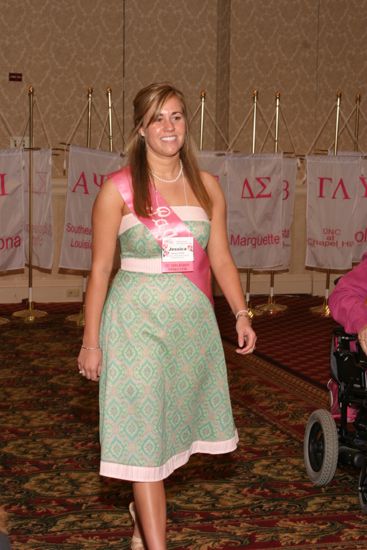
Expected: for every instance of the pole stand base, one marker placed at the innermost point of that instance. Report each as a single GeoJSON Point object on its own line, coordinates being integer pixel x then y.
{"type": "Point", "coordinates": [322, 310]}
{"type": "Point", "coordinates": [30, 315]}
{"type": "Point", "coordinates": [271, 308]}
{"type": "Point", "coordinates": [77, 318]}
{"type": "Point", "coordinates": [253, 312]}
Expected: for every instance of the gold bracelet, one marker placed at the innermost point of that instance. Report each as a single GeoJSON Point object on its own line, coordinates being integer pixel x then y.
{"type": "Point", "coordinates": [89, 349]}
{"type": "Point", "coordinates": [242, 313]}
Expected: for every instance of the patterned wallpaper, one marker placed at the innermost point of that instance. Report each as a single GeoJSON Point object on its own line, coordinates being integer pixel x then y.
{"type": "Point", "coordinates": [173, 40]}
{"type": "Point", "coordinates": [306, 50]}
{"type": "Point", "coordinates": [62, 48]}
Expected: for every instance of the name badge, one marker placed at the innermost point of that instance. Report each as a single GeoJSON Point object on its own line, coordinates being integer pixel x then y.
{"type": "Point", "coordinates": [177, 254]}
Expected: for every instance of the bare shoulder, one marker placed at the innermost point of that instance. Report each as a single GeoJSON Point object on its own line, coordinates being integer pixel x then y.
{"type": "Point", "coordinates": [109, 195]}
{"type": "Point", "coordinates": [109, 204]}
{"type": "Point", "coordinates": [109, 188]}
{"type": "Point", "coordinates": [212, 186]}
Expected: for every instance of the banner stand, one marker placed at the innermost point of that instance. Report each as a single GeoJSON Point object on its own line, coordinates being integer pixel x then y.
{"type": "Point", "coordinates": [108, 124]}
{"type": "Point", "coordinates": [30, 315]}
{"type": "Point", "coordinates": [202, 108]}
{"type": "Point", "coordinates": [251, 311]}
{"type": "Point", "coordinates": [79, 318]}
{"type": "Point", "coordinates": [324, 310]}
{"type": "Point", "coordinates": [271, 308]}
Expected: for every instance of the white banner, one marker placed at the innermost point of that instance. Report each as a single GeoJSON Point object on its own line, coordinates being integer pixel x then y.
{"type": "Point", "coordinates": [334, 190]}
{"type": "Point", "coordinates": [289, 177]}
{"type": "Point", "coordinates": [216, 164]}
{"type": "Point", "coordinates": [254, 198]}
{"type": "Point", "coordinates": [11, 211]}
{"type": "Point", "coordinates": [88, 169]}
{"type": "Point", "coordinates": [360, 214]}
{"type": "Point", "coordinates": [42, 234]}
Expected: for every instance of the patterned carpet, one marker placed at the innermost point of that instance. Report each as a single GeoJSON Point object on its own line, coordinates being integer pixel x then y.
{"type": "Point", "coordinates": [258, 497]}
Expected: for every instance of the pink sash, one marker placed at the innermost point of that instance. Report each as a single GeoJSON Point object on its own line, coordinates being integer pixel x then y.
{"type": "Point", "coordinates": [164, 222]}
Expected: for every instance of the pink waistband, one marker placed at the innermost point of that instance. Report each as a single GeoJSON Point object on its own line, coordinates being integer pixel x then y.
{"type": "Point", "coordinates": [142, 265]}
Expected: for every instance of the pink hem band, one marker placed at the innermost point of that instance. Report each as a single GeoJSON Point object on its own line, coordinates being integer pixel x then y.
{"type": "Point", "coordinates": [157, 473]}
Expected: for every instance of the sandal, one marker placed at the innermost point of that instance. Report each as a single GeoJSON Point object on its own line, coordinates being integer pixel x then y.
{"type": "Point", "coordinates": [136, 542]}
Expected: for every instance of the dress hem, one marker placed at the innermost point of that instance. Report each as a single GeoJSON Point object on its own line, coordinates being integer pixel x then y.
{"type": "Point", "coordinates": [157, 473]}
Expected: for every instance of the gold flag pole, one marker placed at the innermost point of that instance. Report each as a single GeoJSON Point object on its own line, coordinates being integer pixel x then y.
{"type": "Point", "coordinates": [337, 122]}
{"type": "Point", "coordinates": [109, 101]}
{"type": "Point", "coordinates": [324, 310]}
{"type": "Point", "coordinates": [356, 124]}
{"type": "Point", "coordinates": [277, 107]}
{"type": "Point", "coordinates": [255, 96]}
{"type": "Point", "coordinates": [123, 72]}
{"type": "Point", "coordinates": [79, 318]}
{"type": "Point", "coordinates": [29, 315]}
{"type": "Point", "coordinates": [202, 113]}
{"type": "Point", "coordinates": [89, 116]}
{"type": "Point", "coordinates": [253, 312]}
{"type": "Point", "coordinates": [271, 307]}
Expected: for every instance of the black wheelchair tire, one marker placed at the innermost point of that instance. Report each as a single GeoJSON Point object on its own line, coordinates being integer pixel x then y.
{"type": "Point", "coordinates": [321, 447]}
{"type": "Point", "coordinates": [362, 489]}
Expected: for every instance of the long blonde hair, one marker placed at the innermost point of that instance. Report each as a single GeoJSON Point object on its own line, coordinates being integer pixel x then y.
{"type": "Point", "coordinates": [155, 95]}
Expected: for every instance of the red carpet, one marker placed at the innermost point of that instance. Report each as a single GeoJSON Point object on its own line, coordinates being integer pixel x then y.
{"type": "Point", "coordinates": [295, 340]}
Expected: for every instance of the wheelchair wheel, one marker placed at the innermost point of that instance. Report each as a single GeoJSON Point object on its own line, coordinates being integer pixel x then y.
{"type": "Point", "coordinates": [321, 447]}
{"type": "Point", "coordinates": [362, 489]}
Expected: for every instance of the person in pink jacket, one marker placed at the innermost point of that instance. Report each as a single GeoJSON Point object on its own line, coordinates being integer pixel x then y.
{"type": "Point", "coordinates": [348, 302]}
{"type": "Point", "coordinates": [348, 306]}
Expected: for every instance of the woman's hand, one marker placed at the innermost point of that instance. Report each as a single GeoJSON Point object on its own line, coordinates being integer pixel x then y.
{"type": "Point", "coordinates": [362, 337]}
{"type": "Point", "coordinates": [246, 336]}
{"type": "Point", "coordinates": [90, 363]}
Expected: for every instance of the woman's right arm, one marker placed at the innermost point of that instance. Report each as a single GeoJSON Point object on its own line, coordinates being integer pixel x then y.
{"type": "Point", "coordinates": [106, 218]}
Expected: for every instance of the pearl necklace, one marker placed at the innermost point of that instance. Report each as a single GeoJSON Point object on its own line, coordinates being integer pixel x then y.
{"type": "Point", "coordinates": [169, 181]}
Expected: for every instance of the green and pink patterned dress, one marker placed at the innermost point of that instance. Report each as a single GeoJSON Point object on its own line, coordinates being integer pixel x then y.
{"type": "Point", "coordinates": [163, 388]}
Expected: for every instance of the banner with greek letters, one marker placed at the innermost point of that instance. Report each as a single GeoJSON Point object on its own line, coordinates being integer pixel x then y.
{"type": "Point", "coordinates": [254, 191]}
{"type": "Point", "coordinates": [11, 211]}
{"type": "Point", "coordinates": [360, 215]}
{"type": "Point", "coordinates": [289, 177]}
{"type": "Point", "coordinates": [333, 191]}
{"type": "Point", "coordinates": [87, 170]}
{"type": "Point", "coordinates": [41, 216]}
{"type": "Point", "coordinates": [216, 164]}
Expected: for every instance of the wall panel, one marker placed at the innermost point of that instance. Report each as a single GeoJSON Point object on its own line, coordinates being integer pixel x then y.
{"type": "Point", "coordinates": [304, 50]}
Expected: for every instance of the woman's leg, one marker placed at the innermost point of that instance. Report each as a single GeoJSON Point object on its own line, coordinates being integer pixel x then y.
{"type": "Point", "coordinates": [150, 506]}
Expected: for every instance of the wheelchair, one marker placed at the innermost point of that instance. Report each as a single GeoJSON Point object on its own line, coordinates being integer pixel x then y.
{"type": "Point", "coordinates": [339, 436]}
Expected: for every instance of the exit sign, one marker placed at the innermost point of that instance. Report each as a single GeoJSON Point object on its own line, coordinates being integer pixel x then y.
{"type": "Point", "coordinates": [15, 77]}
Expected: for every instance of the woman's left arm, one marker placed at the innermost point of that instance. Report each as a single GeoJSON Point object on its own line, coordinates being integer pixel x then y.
{"type": "Point", "coordinates": [223, 266]}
